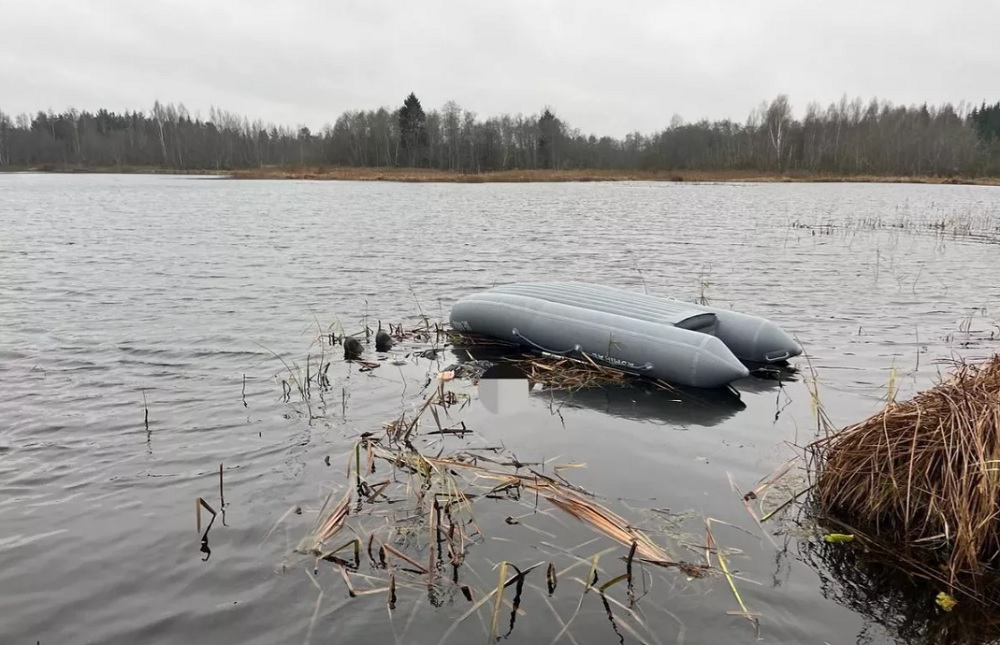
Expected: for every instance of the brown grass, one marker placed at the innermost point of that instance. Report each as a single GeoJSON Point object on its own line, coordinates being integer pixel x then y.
{"type": "Point", "coordinates": [547, 370]}
{"type": "Point", "coordinates": [426, 175]}
{"type": "Point", "coordinates": [412, 490]}
{"type": "Point", "coordinates": [416, 523]}
{"type": "Point", "coordinates": [83, 169]}
{"type": "Point", "coordinates": [924, 474]}
{"type": "Point", "coordinates": [429, 175]}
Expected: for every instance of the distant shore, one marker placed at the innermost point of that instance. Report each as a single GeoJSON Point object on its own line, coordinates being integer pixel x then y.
{"type": "Point", "coordinates": [426, 175]}
{"type": "Point", "coordinates": [584, 175]}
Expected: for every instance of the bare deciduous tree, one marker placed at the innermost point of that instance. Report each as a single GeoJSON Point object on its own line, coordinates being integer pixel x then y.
{"type": "Point", "coordinates": [847, 137]}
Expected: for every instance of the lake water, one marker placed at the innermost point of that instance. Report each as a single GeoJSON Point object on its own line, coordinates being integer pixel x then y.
{"type": "Point", "coordinates": [122, 293]}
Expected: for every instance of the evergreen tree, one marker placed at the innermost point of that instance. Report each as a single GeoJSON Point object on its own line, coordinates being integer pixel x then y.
{"type": "Point", "coordinates": [413, 130]}
{"type": "Point", "coordinates": [986, 121]}
{"type": "Point", "coordinates": [548, 135]}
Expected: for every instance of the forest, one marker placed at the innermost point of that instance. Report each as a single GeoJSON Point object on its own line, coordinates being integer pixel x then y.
{"type": "Point", "coordinates": [849, 137]}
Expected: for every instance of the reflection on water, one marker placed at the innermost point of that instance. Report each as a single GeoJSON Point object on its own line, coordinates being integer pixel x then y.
{"type": "Point", "coordinates": [143, 321]}
{"type": "Point", "coordinates": [895, 602]}
{"type": "Point", "coordinates": [637, 400]}
{"type": "Point", "coordinates": [681, 407]}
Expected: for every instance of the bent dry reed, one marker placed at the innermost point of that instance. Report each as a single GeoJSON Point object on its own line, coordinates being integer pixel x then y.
{"type": "Point", "coordinates": [916, 484]}
{"type": "Point", "coordinates": [425, 499]}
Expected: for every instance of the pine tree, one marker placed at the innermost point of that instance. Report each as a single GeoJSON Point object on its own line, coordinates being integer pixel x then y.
{"type": "Point", "coordinates": [548, 134]}
{"type": "Point", "coordinates": [413, 130]}
{"type": "Point", "coordinates": [986, 121]}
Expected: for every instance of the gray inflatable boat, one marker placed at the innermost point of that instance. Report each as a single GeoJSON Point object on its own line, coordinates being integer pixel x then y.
{"type": "Point", "coordinates": [661, 338]}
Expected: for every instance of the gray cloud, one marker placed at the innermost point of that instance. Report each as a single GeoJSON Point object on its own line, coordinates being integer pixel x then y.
{"type": "Point", "coordinates": [607, 68]}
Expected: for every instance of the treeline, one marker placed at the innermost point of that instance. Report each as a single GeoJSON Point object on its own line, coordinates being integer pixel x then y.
{"type": "Point", "coordinates": [848, 137]}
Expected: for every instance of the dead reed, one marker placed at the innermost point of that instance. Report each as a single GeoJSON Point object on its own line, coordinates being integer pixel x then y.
{"type": "Point", "coordinates": [918, 484]}
{"type": "Point", "coordinates": [416, 522]}
{"type": "Point", "coordinates": [923, 476]}
{"type": "Point", "coordinates": [475, 353]}
{"type": "Point", "coordinates": [424, 492]}
{"type": "Point", "coordinates": [200, 504]}
{"type": "Point", "coordinates": [547, 370]}
{"type": "Point", "coordinates": [970, 226]}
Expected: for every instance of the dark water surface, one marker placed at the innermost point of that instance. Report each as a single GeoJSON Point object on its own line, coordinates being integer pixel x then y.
{"type": "Point", "coordinates": [182, 290]}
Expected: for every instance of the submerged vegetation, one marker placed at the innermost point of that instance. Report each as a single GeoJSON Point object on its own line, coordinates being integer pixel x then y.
{"type": "Point", "coordinates": [856, 139]}
{"type": "Point", "coordinates": [900, 509]}
{"type": "Point", "coordinates": [968, 226]}
{"type": "Point", "coordinates": [425, 493]}
{"type": "Point", "coordinates": [897, 513]}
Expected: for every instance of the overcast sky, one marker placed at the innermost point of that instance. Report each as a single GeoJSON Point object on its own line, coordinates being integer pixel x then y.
{"type": "Point", "coordinates": [605, 67]}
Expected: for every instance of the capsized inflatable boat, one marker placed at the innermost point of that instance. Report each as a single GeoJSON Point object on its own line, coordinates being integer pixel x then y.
{"type": "Point", "coordinates": [657, 337]}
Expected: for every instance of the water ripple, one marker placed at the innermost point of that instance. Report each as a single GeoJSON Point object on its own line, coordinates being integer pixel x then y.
{"type": "Point", "coordinates": [120, 295]}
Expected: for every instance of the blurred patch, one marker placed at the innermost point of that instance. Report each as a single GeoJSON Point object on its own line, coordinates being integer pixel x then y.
{"type": "Point", "coordinates": [503, 389]}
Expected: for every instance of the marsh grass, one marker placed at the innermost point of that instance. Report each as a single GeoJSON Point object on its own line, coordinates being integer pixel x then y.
{"type": "Point", "coordinates": [960, 226]}
{"type": "Point", "coordinates": [915, 488]}
{"type": "Point", "coordinates": [920, 480]}
{"type": "Point", "coordinates": [414, 514]}
{"type": "Point", "coordinates": [421, 496]}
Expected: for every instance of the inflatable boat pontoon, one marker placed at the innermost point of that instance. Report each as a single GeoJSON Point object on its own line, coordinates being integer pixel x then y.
{"type": "Point", "coordinates": [657, 337]}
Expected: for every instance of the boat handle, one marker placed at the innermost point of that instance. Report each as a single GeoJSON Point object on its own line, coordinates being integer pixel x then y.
{"type": "Point", "coordinates": [575, 348]}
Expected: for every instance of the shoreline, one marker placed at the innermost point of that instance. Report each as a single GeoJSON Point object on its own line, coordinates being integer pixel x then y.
{"type": "Point", "coordinates": [426, 175]}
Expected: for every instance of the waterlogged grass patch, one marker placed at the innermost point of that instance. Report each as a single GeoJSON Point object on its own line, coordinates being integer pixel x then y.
{"type": "Point", "coordinates": [424, 506]}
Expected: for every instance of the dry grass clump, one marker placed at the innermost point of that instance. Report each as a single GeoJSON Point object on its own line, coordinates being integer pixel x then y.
{"type": "Point", "coordinates": [924, 474]}
{"type": "Point", "coordinates": [548, 370]}
{"type": "Point", "coordinates": [554, 372]}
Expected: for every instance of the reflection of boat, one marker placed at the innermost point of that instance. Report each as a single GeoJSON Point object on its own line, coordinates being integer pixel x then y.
{"type": "Point", "coordinates": [658, 337]}
{"type": "Point", "coordinates": [677, 407]}
{"type": "Point", "coordinates": [767, 378]}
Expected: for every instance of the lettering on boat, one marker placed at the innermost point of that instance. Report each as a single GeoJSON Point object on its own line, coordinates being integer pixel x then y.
{"type": "Point", "coordinates": [620, 362]}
